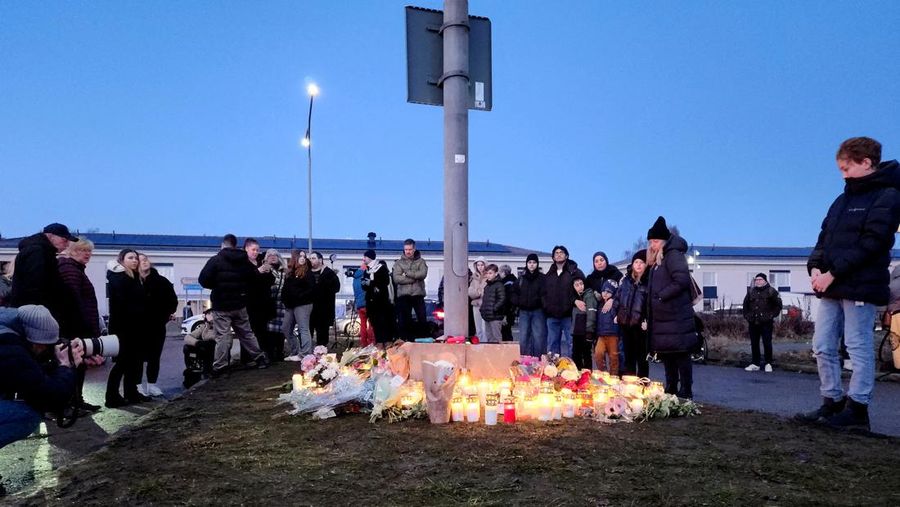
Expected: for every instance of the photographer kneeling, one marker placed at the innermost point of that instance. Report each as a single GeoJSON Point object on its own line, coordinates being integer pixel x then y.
{"type": "Point", "coordinates": [36, 372]}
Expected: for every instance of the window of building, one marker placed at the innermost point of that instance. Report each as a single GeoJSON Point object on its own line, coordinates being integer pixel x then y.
{"type": "Point", "coordinates": [781, 280]}
{"type": "Point", "coordinates": [710, 285]}
{"type": "Point", "coordinates": [166, 269]}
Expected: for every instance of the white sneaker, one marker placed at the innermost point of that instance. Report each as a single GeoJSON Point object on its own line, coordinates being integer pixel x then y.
{"type": "Point", "coordinates": [848, 365]}
{"type": "Point", "coordinates": [142, 389]}
{"type": "Point", "coordinates": [153, 390]}
{"type": "Point", "coordinates": [768, 368]}
{"type": "Point", "coordinates": [295, 359]}
{"type": "Point", "coordinates": [752, 367]}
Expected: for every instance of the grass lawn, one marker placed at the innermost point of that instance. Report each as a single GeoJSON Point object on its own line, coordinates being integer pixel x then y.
{"type": "Point", "coordinates": [228, 443]}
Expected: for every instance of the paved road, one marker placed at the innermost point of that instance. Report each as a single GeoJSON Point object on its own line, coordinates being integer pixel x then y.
{"type": "Point", "coordinates": [783, 393]}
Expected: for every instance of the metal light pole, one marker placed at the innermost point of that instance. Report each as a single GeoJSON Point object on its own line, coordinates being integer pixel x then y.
{"type": "Point", "coordinates": [455, 82]}
{"type": "Point", "coordinates": [312, 90]}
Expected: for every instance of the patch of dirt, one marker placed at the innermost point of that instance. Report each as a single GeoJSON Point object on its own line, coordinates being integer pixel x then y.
{"type": "Point", "coordinates": [228, 443]}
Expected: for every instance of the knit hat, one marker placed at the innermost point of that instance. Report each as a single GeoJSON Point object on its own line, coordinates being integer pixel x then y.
{"type": "Point", "coordinates": [369, 254]}
{"type": "Point", "coordinates": [532, 257]}
{"type": "Point", "coordinates": [601, 254]}
{"type": "Point", "coordinates": [761, 275]}
{"type": "Point", "coordinates": [659, 230]}
{"type": "Point", "coordinates": [40, 327]}
{"type": "Point", "coordinates": [610, 286]}
{"type": "Point", "coordinates": [640, 254]}
{"type": "Point", "coordinates": [562, 248]}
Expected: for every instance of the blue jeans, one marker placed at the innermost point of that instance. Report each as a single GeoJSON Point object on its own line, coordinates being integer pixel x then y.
{"type": "Point", "coordinates": [17, 421]}
{"type": "Point", "coordinates": [559, 336]}
{"type": "Point", "coordinates": [532, 332]}
{"type": "Point", "coordinates": [857, 322]}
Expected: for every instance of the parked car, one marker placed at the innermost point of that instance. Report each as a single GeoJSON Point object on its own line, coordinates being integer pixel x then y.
{"type": "Point", "coordinates": [191, 323]}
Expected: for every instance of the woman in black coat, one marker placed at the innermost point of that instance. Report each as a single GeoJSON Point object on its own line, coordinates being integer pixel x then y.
{"type": "Point", "coordinates": [161, 304]}
{"type": "Point", "coordinates": [377, 285]}
{"type": "Point", "coordinates": [671, 313]}
{"type": "Point", "coordinates": [127, 320]}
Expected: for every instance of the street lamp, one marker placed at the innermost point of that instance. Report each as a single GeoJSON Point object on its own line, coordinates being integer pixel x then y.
{"type": "Point", "coordinates": [312, 90]}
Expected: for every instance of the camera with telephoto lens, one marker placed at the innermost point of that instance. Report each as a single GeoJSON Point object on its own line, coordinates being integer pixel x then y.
{"type": "Point", "coordinates": [106, 346]}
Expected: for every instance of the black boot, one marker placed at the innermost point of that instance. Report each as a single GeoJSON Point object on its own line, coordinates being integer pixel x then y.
{"type": "Point", "coordinates": [829, 408]}
{"type": "Point", "coordinates": [855, 416]}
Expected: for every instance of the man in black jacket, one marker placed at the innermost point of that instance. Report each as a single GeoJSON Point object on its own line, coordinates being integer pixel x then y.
{"type": "Point", "coordinates": [228, 274]}
{"type": "Point", "coordinates": [528, 298]}
{"type": "Point", "coordinates": [761, 305]}
{"type": "Point", "coordinates": [37, 280]}
{"type": "Point", "coordinates": [559, 299]}
{"type": "Point", "coordinates": [36, 374]}
{"type": "Point", "coordinates": [849, 271]}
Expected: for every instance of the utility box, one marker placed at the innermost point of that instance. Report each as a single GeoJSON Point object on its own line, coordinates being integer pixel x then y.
{"type": "Point", "coordinates": [425, 59]}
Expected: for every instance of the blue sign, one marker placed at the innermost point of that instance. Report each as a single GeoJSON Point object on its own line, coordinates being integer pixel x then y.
{"type": "Point", "coordinates": [193, 286]}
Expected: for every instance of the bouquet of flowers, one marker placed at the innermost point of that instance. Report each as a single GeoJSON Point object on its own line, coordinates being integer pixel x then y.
{"type": "Point", "coordinates": [668, 405]}
{"type": "Point", "coordinates": [319, 367]}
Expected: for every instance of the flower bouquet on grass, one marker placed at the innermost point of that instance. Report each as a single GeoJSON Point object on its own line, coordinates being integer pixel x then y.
{"type": "Point", "coordinates": [668, 405]}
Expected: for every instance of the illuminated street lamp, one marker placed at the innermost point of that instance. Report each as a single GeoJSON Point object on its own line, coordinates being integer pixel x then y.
{"type": "Point", "coordinates": [312, 90]}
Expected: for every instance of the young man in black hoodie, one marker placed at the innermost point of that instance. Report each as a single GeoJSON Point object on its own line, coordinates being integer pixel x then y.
{"type": "Point", "coordinates": [849, 271]}
{"type": "Point", "coordinates": [228, 274]}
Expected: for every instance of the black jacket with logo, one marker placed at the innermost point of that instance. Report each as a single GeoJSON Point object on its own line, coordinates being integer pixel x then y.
{"type": "Point", "coordinates": [857, 235]}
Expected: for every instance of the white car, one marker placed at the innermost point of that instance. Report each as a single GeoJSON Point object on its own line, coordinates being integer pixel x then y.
{"type": "Point", "coordinates": [191, 323]}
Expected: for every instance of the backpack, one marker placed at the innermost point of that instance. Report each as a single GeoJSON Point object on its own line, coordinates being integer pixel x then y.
{"type": "Point", "coordinates": [696, 293]}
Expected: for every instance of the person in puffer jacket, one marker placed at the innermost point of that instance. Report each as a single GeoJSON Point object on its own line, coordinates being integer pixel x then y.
{"type": "Point", "coordinates": [631, 316]}
{"type": "Point", "coordinates": [584, 322]}
{"type": "Point", "coordinates": [607, 331]}
{"type": "Point", "coordinates": [493, 304]}
{"type": "Point", "coordinates": [673, 330]}
{"type": "Point", "coordinates": [761, 305]}
{"type": "Point", "coordinates": [849, 272]}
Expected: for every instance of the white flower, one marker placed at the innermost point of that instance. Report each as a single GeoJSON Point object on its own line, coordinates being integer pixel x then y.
{"type": "Point", "coordinates": [550, 371]}
{"type": "Point", "coordinates": [569, 375]}
{"type": "Point", "coordinates": [329, 373]}
{"type": "Point", "coordinates": [320, 350]}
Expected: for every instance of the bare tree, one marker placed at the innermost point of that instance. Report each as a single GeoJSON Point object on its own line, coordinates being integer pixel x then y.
{"type": "Point", "coordinates": [639, 244]}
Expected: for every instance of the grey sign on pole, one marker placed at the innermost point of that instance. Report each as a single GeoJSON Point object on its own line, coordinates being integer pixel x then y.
{"type": "Point", "coordinates": [425, 59]}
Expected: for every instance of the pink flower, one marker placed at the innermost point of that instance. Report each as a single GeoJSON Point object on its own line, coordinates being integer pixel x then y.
{"type": "Point", "coordinates": [308, 362]}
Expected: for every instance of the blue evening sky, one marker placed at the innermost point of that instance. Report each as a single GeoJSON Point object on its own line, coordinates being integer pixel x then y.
{"type": "Point", "coordinates": [184, 118]}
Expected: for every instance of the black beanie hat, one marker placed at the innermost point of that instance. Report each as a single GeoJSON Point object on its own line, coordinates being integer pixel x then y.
{"type": "Point", "coordinates": [762, 275]}
{"type": "Point", "coordinates": [370, 254]}
{"type": "Point", "coordinates": [659, 230]}
{"type": "Point", "coordinates": [640, 254]}
{"type": "Point", "coordinates": [532, 257]}
{"type": "Point", "coordinates": [562, 248]}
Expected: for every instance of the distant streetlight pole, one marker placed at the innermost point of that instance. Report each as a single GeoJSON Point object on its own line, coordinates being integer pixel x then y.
{"type": "Point", "coordinates": [312, 90]}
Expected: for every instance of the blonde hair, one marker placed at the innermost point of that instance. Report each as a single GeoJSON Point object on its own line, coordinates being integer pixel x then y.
{"type": "Point", "coordinates": [277, 254]}
{"type": "Point", "coordinates": [83, 244]}
{"type": "Point", "coordinates": [655, 258]}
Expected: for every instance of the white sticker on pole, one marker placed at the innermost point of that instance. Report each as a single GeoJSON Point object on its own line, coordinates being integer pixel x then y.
{"type": "Point", "coordinates": [459, 158]}
{"type": "Point", "coordinates": [479, 95]}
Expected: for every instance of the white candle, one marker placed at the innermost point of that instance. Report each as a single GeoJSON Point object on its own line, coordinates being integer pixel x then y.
{"type": "Point", "coordinates": [557, 408]}
{"type": "Point", "coordinates": [490, 415]}
{"type": "Point", "coordinates": [457, 410]}
{"type": "Point", "coordinates": [473, 408]}
{"type": "Point", "coordinates": [297, 381]}
{"type": "Point", "coordinates": [545, 409]}
{"type": "Point", "coordinates": [569, 409]}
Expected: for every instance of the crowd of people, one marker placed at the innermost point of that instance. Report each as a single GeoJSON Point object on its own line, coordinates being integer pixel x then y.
{"type": "Point", "coordinates": [610, 320]}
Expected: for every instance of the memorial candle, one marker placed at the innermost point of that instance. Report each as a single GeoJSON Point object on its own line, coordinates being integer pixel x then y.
{"type": "Point", "coordinates": [457, 409]}
{"type": "Point", "coordinates": [297, 381]}
{"type": "Point", "coordinates": [509, 411]}
{"type": "Point", "coordinates": [557, 407]}
{"type": "Point", "coordinates": [473, 408]}
{"type": "Point", "coordinates": [490, 409]}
